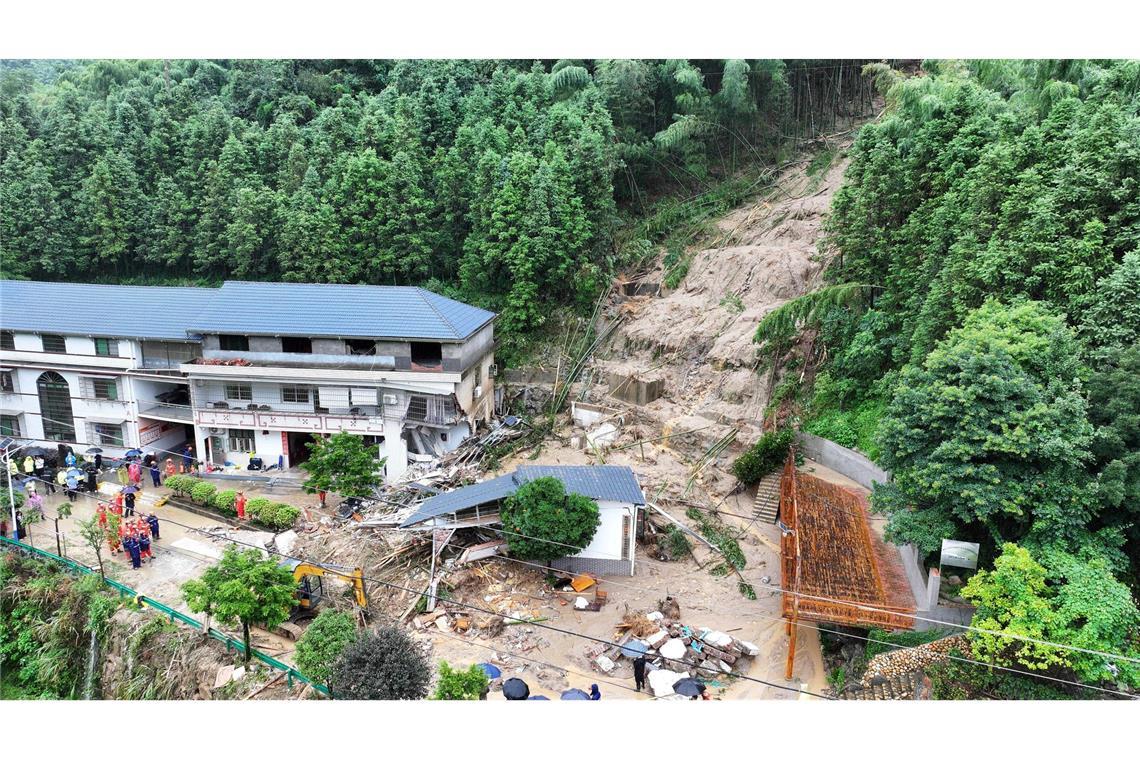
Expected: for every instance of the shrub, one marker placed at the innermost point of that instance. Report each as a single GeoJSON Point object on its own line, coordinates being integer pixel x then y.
{"type": "Point", "coordinates": [386, 664]}
{"type": "Point", "coordinates": [765, 456]}
{"type": "Point", "coordinates": [469, 684]}
{"type": "Point", "coordinates": [284, 516]}
{"type": "Point", "coordinates": [254, 507]}
{"type": "Point", "coordinates": [224, 501]}
{"type": "Point", "coordinates": [181, 484]}
{"type": "Point", "coordinates": [322, 644]}
{"type": "Point", "coordinates": [203, 493]}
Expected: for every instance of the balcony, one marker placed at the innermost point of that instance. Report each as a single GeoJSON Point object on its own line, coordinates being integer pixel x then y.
{"type": "Point", "coordinates": [433, 411]}
{"type": "Point", "coordinates": [266, 418]}
{"type": "Point", "coordinates": [169, 412]}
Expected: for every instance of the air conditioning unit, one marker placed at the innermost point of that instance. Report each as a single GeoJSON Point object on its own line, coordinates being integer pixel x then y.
{"type": "Point", "coordinates": [217, 431]}
{"type": "Point", "coordinates": [493, 370]}
{"type": "Point", "coordinates": [390, 399]}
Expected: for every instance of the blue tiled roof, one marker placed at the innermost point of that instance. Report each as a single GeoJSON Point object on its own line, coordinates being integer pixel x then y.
{"type": "Point", "coordinates": [345, 311]}
{"type": "Point", "coordinates": [246, 308]}
{"type": "Point", "coordinates": [139, 311]}
{"type": "Point", "coordinates": [599, 482]}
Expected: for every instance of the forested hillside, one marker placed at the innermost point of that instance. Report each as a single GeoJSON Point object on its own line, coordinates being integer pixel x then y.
{"type": "Point", "coordinates": [981, 339]}
{"type": "Point", "coordinates": [503, 179]}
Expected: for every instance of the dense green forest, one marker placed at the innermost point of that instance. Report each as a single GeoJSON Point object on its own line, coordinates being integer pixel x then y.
{"type": "Point", "coordinates": [983, 336]}
{"type": "Point", "coordinates": [499, 181]}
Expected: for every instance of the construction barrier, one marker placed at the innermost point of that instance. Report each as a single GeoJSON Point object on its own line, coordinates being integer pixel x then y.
{"type": "Point", "coordinates": [291, 673]}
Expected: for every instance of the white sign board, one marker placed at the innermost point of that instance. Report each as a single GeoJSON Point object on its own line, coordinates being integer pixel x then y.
{"type": "Point", "coordinates": [960, 554]}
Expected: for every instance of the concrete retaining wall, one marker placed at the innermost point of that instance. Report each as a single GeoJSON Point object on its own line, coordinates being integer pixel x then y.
{"type": "Point", "coordinates": [841, 459]}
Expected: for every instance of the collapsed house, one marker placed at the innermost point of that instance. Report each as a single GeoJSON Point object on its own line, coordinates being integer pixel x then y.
{"type": "Point", "coordinates": [615, 489]}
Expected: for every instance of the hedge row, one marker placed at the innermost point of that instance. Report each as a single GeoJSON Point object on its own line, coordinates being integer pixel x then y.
{"type": "Point", "coordinates": [272, 514]}
{"type": "Point", "coordinates": [766, 455]}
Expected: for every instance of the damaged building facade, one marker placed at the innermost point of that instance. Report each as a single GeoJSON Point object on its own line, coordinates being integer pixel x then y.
{"type": "Point", "coordinates": [247, 369]}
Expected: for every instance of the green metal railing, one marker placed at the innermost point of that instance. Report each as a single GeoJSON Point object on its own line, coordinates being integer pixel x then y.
{"type": "Point", "coordinates": [291, 673]}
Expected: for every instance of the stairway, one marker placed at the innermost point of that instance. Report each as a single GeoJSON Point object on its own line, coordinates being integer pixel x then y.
{"type": "Point", "coordinates": [898, 687]}
{"type": "Point", "coordinates": [766, 507]}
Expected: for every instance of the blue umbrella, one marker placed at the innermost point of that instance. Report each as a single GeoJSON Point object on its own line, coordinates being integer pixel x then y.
{"type": "Point", "coordinates": [689, 687]}
{"type": "Point", "coordinates": [539, 697]}
{"type": "Point", "coordinates": [74, 472]}
{"type": "Point", "coordinates": [130, 489]}
{"type": "Point", "coordinates": [634, 649]}
{"type": "Point", "coordinates": [490, 670]}
{"type": "Point", "coordinates": [133, 453]}
{"type": "Point", "coordinates": [515, 689]}
{"type": "Point", "coordinates": [575, 694]}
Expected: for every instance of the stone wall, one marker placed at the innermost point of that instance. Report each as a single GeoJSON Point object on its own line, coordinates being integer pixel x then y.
{"type": "Point", "coordinates": [843, 460]}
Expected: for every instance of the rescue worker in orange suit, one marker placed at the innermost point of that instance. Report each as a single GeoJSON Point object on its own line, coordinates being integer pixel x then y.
{"type": "Point", "coordinates": [239, 505]}
{"type": "Point", "coordinates": [101, 513]}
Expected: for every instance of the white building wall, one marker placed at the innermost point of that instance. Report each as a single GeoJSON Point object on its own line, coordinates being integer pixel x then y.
{"type": "Point", "coordinates": [607, 541]}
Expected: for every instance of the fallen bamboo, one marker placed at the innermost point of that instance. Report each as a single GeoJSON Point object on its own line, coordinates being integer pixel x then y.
{"type": "Point", "coordinates": [265, 685]}
{"type": "Point", "coordinates": [683, 527]}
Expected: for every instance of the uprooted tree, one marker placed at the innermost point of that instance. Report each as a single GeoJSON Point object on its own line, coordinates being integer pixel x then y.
{"type": "Point", "coordinates": [543, 522]}
{"type": "Point", "coordinates": [243, 588]}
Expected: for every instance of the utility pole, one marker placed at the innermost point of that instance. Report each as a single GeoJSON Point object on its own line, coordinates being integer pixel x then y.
{"type": "Point", "coordinates": [58, 548]}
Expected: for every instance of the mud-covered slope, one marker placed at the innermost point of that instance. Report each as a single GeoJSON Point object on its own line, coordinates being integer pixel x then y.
{"type": "Point", "coordinates": [698, 337]}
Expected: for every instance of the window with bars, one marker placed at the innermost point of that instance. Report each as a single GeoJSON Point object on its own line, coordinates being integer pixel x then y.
{"type": "Point", "coordinates": [55, 407]}
{"type": "Point", "coordinates": [295, 394]}
{"type": "Point", "coordinates": [240, 440]}
{"type": "Point", "coordinates": [239, 392]}
{"type": "Point", "coordinates": [54, 344]}
{"type": "Point", "coordinates": [106, 347]}
{"type": "Point", "coordinates": [10, 425]}
{"type": "Point", "coordinates": [8, 340]}
{"type": "Point", "coordinates": [107, 434]}
{"type": "Point", "coordinates": [104, 389]}
{"type": "Point", "coordinates": [8, 381]}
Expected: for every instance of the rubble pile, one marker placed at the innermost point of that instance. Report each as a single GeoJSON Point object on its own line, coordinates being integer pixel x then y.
{"type": "Point", "coordinates": [898, 662]}
{"type": "Point", "coordinates": [674, 651]}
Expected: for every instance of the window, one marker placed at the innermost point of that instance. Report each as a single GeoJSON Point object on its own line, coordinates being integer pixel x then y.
{"type": "Point", "coordinates": [295, 394]}
{"type": "Point", "coordinates": [10, 425]}
{"type": "Point", "coordinates": [360, 347]}
{"type": "Point", "coordinates": [110, 435]}
{"type": "Point", "coordinates": [240, 440]}
{"type": "Point", "coordinates": [54, 344]}
{"type": "Point", "coordinates": [234, 342]}
{"type": "Point", "coordinates": [8, 340]}
{"type": "Point", "coordinates": [157, 354]}
{"type": "Point", "coordinates": [55, 407]}
{"type": "Point", "coordinates": [297, 345]}
{"type": "Point", "coordinates": [626, 524]}
{"type": "Point", "coordinates": [239, 392]}
{"type": "Point", "coordinates": [427, 355]}
{"type": "Point", "coordinates": [105, 389]}
{"type": "Point", "coordinates": [106, 347]}
{"type": "Point", "coordinates": [8, 381]}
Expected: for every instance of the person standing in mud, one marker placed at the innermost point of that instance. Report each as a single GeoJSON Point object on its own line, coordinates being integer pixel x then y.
{"type": "Point", "coordinates": [639, 672]}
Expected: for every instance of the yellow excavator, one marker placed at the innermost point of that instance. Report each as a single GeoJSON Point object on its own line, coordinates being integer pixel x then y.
{"type": "Point", "coordinates": [310, 591]}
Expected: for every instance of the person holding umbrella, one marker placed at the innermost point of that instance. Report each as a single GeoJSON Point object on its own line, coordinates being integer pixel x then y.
{"type": "Point", "coordinates": [129, 496]}
{"type": "Point", "coordinates": [92, 478]}
{"type": "Point", "coordinates": [515, 689]}
{"type": "Point", "coordinates": [573, 694]}
{"type": "Point", "coordinates": [690, 687]}
{"type": "Point", "coordinates": [71, 481]}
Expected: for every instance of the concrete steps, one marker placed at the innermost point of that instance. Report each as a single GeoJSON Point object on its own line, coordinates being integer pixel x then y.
{"type": "Point", "coordinates": [766, 507]}
{"type": "Point", "coordinates": [900, 687]}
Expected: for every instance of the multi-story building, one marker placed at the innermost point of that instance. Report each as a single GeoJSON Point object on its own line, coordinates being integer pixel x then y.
{"type": "Point", "coordinates": [247, 369]}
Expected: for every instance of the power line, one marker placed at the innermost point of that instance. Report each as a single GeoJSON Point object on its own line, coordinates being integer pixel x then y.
{"type": "Point", "coordinates": [872, 608]}
{"type": "Point", "coordinates": [643, 589]}
{"type": "Point", "coordinates": [429, 595]}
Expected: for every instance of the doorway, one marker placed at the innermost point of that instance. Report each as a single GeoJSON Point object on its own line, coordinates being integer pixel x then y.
{"type": "Point", "coordinates": [298, 450]}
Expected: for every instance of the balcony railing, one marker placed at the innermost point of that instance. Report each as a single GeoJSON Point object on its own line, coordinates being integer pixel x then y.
{"type": "Point", "coordinates": [161, 411]}
{"type": "Point", "coordinates": [264, 417]}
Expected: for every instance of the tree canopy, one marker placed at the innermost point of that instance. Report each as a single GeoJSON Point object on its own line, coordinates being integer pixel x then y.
{"type": "Point", "coordinates": [497, 179]}
{"type": "Point", "coordinates": [243, 587]}
{"type": "Point", "coordinates": [543, 522]}
{"type": "Point", "coordinates": [341, 464]}
{"type": "Point", "coordinates": [322, 644]}
{"type": "Point", "coordinates": [381, 664]}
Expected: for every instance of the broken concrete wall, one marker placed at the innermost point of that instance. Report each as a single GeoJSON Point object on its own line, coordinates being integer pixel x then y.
{"type": "Point", "coordinates": [634, 389]}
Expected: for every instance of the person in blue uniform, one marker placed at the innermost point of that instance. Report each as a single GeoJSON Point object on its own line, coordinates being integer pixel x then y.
{"type": "Point", "coordinates": [144, 546]}
{"type": "Point", "coordinates": [152, 521]}
{"type": "Point", "coordinates": [130, 510]}
{"type": "Point", "coordinates": [131, 544]}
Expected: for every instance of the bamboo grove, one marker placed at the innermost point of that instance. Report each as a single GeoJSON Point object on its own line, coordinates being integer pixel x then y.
{"type": "Point", "coordinates": [501, 181]}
